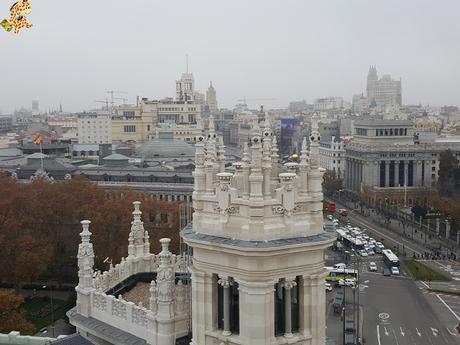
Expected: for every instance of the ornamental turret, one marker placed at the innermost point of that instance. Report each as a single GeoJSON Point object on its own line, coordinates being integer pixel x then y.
{"type": "Point", "coordinates": [137, 236]}
{"type": "Point", "coordinates": [85, 271]}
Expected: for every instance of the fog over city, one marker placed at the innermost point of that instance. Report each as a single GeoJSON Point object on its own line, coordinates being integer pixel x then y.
{"type": "Point", "coordinates": [285, 50]}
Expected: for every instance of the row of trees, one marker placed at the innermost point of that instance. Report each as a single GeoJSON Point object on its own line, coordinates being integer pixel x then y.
{"type": "Point", "coordinates": [40, 226]}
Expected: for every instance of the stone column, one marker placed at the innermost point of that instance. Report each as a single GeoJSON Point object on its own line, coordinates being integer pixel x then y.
{"type": "Point", "coordinates": [396, 177]}
{"type": "Point", "coordinates": [406, 173]}
{"type": "Point", "coordinates": [226, 283]}
{"type": "Point", "coordinates": [288, 284]}
{"type": "Point", "coordinates": [387, 173]}
{"type": "Point", "coordinates": [437, 226]}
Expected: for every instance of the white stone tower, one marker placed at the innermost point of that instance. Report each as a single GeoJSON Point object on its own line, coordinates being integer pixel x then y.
{"type": "Point", "coordinates": [258, 246]}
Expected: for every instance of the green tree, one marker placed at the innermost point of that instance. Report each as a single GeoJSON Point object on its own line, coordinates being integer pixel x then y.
{"type": "Point", "coordinates": [449, 175]}
{"type": "Point", "coordinates": [331, 183]}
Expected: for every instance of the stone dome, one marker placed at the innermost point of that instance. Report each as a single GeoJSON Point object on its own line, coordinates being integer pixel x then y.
{"type": "Point", "coordinates": [165, 148]}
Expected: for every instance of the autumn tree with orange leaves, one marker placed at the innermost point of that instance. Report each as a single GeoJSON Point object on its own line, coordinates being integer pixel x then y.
{"type": "Point", "coordinates": [40, 226]}
{"type": "Point", "coordinates": [10, 314]}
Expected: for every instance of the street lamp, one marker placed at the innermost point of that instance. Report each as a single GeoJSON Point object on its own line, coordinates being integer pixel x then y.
{"type": "Point", "coordinates": [52, 308]}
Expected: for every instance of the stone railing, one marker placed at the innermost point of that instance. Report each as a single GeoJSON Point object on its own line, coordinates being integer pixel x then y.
{"type": "Point", "coordinates": [129, 267]}
{"type": "Point", "coordinates": [140, 320]}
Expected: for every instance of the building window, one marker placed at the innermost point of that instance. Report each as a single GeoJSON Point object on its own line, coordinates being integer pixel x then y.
{"type": "Point", "coordinates": [287, 299]}
{"type": "Point", "coordinates": [228, 309]}
{"type": "Point", "coordinates": [129, 128]}
{"type": "Point", "coordinates": [148, 128]}
{"type": "Point", "coordinates": [433, 168]}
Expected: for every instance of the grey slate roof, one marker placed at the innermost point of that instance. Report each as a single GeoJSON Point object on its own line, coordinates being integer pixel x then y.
{"type": "Point", "coordinates": [74, 339]}
{"type": "Point", "coordinates": [115, 335]}
{"type": "Point", "coordinates": [188, 233]}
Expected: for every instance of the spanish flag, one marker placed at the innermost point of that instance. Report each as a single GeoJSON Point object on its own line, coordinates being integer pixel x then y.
{"type": "Point", "coordinates": [38, 139]}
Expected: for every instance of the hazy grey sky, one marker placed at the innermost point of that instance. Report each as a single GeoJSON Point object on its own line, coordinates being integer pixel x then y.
{"type": "Point", "coordinates": [288, 50]}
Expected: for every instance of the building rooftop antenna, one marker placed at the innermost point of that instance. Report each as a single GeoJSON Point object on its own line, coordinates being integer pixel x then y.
{"type": "Point", "coordinates": [186, 63]}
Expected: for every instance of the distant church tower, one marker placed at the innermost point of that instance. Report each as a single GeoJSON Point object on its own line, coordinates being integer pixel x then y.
{"type": "Point", "coordinates": [211, 99]}
{"type": "Point", "coordinates": [258, 245]}
{"type": "Point", "coordinates": [372, 79]}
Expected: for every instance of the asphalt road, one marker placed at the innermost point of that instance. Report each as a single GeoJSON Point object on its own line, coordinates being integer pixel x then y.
{"type": "Point", "coordinates": [397, 311]}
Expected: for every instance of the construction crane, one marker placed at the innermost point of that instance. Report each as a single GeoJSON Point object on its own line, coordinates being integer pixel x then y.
{"type": "Point", "coordinates": [106, 103]}
{"type": "Point", "coordinates": [111, 93]}
{"type": "Point", "coordinates": [122, 99]}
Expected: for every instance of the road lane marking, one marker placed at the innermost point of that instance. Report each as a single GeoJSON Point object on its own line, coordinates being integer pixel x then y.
{"type": "Point", "coordinates": [386, 332]}
{"type": "Point", "coordinates": [378, 334]}
{"type": "Point", "coordinates": [418, 332]}
{"type": "Point", "coordinates": [402, 332]}
{"type": "Point", "coordinates": [396, 338]}
{"type": "Point", "coordinates": [447, 306]}
{"type": "Point", "coordinates": [434, 331]}
{"type": "Point", "coordinates": [451, 333]}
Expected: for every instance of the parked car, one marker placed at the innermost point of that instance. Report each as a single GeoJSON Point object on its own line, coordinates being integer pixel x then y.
{"type": "Point", "coordinates": [328, 287]}
{"type": "Point", "coordinates": [386, 272]}
{"type": "Point", "coordinates": [372, 266]}
{"type": "Point", "coordinates": [380, 245]}
{"type": "Point", "coordinates": [395, 271]}
{"type": "Point", "coordinates": [370, 251]}
{"type": "Point", "coordinates": [363, 253]}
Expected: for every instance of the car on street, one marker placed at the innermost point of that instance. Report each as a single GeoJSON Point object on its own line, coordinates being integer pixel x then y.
{"type": "Point", "coordinates": [347, 282]}
{"type": "Point", "coordinates": [378, 250]}
{"type": "Point", "coordinates": [395, 271]}
{"type": "Point", "coordinates": [370, 251]}
{"type": "Point", "coordinates": [328, 287]}
{"type": "Point", "coordinates": [380, 245]}
{"type": "Point", "coordinates": [329, 217]}
{"type": "Point", "coordinates": [363, 253]}
{"type": "Point", "coordinates": [386, 272]}
{"type": "Point", "coordinates": [343, 212]}
{"type": "Point", "coordinates": [372, 266]}
{"type": "Point", "coordinates": [340, 265]}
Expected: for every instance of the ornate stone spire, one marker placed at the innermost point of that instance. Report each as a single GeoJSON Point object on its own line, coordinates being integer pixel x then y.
{"type": "Point", "coordinates": [314, 144]}
{"type": "Point", "coordinates": [136, 236]}
{"type": "Point", "coordinates": [303, 167]}
{"type": "Point", "coordinates": [85, 258]}
{"type": "Point", "coordinates": [274, 157]}
{"type": "Point", "coordinates": [246, 169]}
{"type": "Point", "coordinates": [221, 154]}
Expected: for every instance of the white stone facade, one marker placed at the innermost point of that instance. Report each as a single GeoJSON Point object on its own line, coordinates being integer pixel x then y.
{"type": "Point", "coordinates": [94, 128]}
{"type": "Point", "coordinates": [332, 156]}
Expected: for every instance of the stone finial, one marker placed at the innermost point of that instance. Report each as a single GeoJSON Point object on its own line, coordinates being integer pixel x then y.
{"type": "Point", "coordinates": [211, 125]}
{"type": "Point", "coordinates": [304, 152]}
{"type": "Point", "coordinates": [246, 153]}
{"type": "Point", "coordinates": [153, 300]}
{"type": "Point", "coordinates": [85, 258]}
{"type": "Point", "coordinates": [137, 231]}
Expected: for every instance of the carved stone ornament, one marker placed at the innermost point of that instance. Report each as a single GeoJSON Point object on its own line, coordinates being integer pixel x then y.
{"type": "Point", "coordinates": [100, 302]}
{"type": "Point", "coordinates": [139, 316]}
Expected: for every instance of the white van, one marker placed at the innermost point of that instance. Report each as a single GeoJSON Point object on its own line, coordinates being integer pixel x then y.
{"type": "Point", "coordinates": [339, 266]}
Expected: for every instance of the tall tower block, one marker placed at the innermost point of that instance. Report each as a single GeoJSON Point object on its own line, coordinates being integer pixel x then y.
{"type": "Point", "coordinates": [258, 246]}
{"type": "Point", "coordinates": [372, 79]}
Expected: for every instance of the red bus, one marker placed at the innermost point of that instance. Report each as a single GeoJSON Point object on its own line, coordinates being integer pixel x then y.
{"type": "Point", "coordinates": [331, 207]}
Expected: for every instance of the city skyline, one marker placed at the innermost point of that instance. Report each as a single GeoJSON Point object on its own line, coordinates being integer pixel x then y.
{"type": "Point", "coordinates": [267, 49]}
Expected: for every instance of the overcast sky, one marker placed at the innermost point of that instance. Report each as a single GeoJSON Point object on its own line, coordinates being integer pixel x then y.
{"type": "Point", "coordinates": [287, 50]}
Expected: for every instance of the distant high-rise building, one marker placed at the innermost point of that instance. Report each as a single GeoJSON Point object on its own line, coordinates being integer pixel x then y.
{"type": "Point", "coordinates": [211, 99]}
{"type": "Point", "coordinates": [384, 91]}
{"type": "Point", "coordinates": [185, 87]}
{"type": "Point", "coordinates": [35, 107]}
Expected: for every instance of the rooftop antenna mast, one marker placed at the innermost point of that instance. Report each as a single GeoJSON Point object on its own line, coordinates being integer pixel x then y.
{"type": "Point", "coordinates": [111, 93]}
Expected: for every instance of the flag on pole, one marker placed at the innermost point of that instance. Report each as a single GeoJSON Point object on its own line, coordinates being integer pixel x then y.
{"type": "Point", "coordinates": [38, 139]}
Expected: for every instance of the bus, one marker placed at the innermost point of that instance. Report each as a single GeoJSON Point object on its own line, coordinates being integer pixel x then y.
{"type": "Point", "coordinates": [390, 259]}
{"type": "Point", "coordinates": [348, 240]}
{"type": "Point", "coordinates": [336, 274]}
{"type": "Point", "coordinates": [329, 206]}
